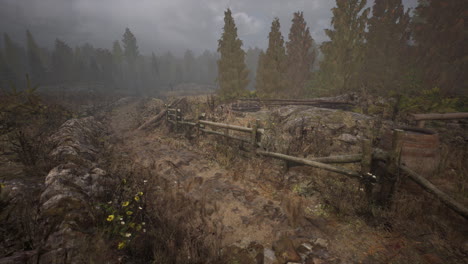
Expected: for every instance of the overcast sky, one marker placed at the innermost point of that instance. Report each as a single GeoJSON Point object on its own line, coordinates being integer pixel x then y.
{"type": "Point", "coordinates": [159, 25]}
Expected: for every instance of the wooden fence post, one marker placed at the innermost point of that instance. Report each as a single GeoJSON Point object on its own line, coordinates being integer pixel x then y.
{"type": "Point", "coordinates": [392, 178]}
{"type": "Point", "coordinates": [197, 123]}
{"type": "Point", "coordinates": [177, 115]}
{"type": "Point", "coordinates": [253, 140]}
{"type": "Point", "coordinates": [167, 112]}
{"type": "Point", "coordinates": [366, 163]}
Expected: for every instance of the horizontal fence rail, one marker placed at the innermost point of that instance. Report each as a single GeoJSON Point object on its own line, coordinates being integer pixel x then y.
{"type": "Point", "coordinates": [391, 158]}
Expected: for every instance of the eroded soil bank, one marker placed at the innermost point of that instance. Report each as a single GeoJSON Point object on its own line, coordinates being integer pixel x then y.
{"type": "Point", "coordinates": [203, 199]}
{"type": "Point", "coordinates": [243, 209]}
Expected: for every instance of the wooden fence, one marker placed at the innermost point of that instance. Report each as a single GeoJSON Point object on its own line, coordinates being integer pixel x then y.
{"type": "Point", "coordinates": [393, 170]}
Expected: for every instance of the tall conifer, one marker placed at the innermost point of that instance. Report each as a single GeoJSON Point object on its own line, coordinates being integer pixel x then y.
{"type": "Point", "coordinates": [232, 71]}
{"type": "Point", "coordinates": [344, 53]}
{"type": "Point", "coordinates": [36, 65]}
{"type": "Point", "coordinates": [272, 65]}
{"type": "Point", "coordinates": [300, 55]}
{"type": "Point", "coordinates": [442, 40]}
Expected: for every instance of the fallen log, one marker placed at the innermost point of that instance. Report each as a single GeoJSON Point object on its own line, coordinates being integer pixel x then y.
{"type": "Point", "coordinates": [429, 187]}
{"type": "Point", "coordinates": [154, 120]}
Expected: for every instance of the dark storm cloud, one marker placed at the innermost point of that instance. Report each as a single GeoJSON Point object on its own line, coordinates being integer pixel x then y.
{"type": "Point", "coordinates": [159, 25]}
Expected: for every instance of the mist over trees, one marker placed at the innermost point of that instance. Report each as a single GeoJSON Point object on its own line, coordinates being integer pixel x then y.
{"type": "Point", "coordinates": [380, 50]}
{"type": "Point", "coordinates": [121, 68]}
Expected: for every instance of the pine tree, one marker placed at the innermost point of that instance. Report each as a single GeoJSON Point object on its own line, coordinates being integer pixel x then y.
{"type": "Point", "coordinates": [232, 71]}
{"type": "Point", "coordinates": [36, 65]}
{"type": "Point", "coordinates": [300, 56]}
{"type": "Point", "coordinates": [117, 53]}
{"type": "Point", "coordinates": [386, 45]}
{"type": "Point", "coordinates": [131, 52]}
{"type": "Point", "coordinates": [7, 76]}
{"type": "Point", "coordinates": [62, 61]}
{"type": "Point", "coordinates": [260, 77]}
{"type": "Point", "coordinates": [15, 58]}
{"type": "Point", "coordinates": [189, 66]}
{"type": "Point", "coordinates": [251, 61]}
{"type": "Point", "coordinates": [272, 65]}
{"type": "Point", "coordinates": [442, 40]}
{"type": "Point", "coordinates": [154, 65]}
{"type": "Point", "coordinates": [105, 63]}
{"type": "Point", "coordinates": [344, 53]}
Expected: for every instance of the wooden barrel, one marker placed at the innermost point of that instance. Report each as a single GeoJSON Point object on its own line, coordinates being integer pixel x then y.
{"type": "Point", "coordinates": [420, 149]}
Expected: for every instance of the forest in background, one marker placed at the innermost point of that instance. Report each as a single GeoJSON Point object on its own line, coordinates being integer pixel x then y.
{"type": "Point", "coordinates": [419, 58]}
{"type": "Point", "coordinates": [385, 50]}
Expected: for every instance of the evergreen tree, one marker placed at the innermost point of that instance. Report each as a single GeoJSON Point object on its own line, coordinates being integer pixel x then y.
{"type": "Point", "coordinates": [117, 53]}
{"type": "Point", "coordinates": [260, 77]}
{"type": "Point", "coordinates": [189, 66]}
{"type": "Point", "coordinates": [272, 65]}
{"type": "Point", "coordinates": [154, 65]}
{"type": "Point", "coordinates": [7, 76]}
{"type": "Point", "coordinates": [36, 65]}
{"type": "Point", "coordinates": [105, 63]}
{"type": "Point", "coordinates": [62, 61]}
{"type": "Point", "coordinates": [442, 40]}
{"type": "Point", "coordinates": [344, 53]}
{"type": "Point", "coordinates": [131, 52]}
{"type": "Point", "coordinates": [251, 60]}
{"type": "Point", "coordinates": [300, 56]}
{"type": "Point", "coordinates": [15, 58]}
{"type": "Point", "coordinates": [117, 59]}
{"type": "Point", "coordinates": [232, 71]}
{"type": "Point", "coordinates": [386, 61]}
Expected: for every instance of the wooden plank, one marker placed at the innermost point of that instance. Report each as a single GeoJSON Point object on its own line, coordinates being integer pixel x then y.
{"type": "Point", "coordinates": [353, 158]}
{"type": "Point", "coordinates": [187, 123]}
{"type": "Point", "coordinates": [233, 127]}
{"type": "Point", "coordinates": [312, 163]}
{"type": "Point", "coordinates": [435, 116]}
{"type": "Point", "coordinates": [429, 187]}
{"type": "Point", "coordinates": [224, 135]}
{"type": "Point", "coordinates": [158, 117]}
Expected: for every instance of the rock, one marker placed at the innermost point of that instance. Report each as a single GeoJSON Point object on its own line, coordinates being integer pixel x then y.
{"type": "Point", "coordinates": [269, 256]}
{"type": "Point", "coordinates": [69, 189]}
{"type": "Point", "coordinates": [321, 242]}
{"type": "Point", "coordinates": [285, 251]}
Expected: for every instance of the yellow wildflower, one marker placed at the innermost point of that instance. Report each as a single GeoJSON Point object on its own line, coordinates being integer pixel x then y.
{"type": "Point", "coordinates": [129, 212]}
{"type": "Point", "coordinates": [137, 198]}
{"type": "Point", "coordinates": [124, 204]}
{"type": "Point", "coordinates": [140, 193]}
{"type": "Point", "coordinates": [110, 218]}
{"type": "Point", "coordinates": [132, 225]}
{"type": "Point", "coordinates": [121, 245]}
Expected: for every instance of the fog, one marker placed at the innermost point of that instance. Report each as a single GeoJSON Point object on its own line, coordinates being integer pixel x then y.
{"type": "Point", "coordinates": [159, 25]}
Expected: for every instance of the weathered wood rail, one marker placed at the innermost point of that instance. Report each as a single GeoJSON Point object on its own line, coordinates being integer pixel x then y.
{"type": "Point", "coordinates": [422, 118]}
{"type": "Point", "coordinates": [393, 166]}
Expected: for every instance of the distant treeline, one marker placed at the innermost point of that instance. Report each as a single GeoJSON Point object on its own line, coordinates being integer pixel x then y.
{"type": "Point", "coordinates": [120, 68]}
{"type": "Point", "coordinates": [384, 50]}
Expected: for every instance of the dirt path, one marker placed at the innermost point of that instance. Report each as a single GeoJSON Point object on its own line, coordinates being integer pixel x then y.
{"type": "Point", "coordinates": [239, 206]}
